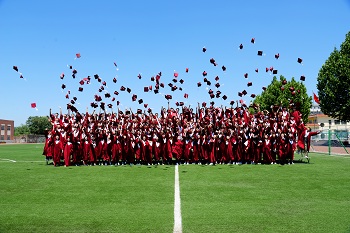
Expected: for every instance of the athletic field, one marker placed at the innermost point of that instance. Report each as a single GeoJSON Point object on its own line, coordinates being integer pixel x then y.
{"type": "Point", "coordinates": [35, 197]}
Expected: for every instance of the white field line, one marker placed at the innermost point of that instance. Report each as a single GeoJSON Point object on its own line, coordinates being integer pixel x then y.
{"type": "Point", "coordinates": [177, 204]}
{"type": "Point", "coordinates": [8, 160]}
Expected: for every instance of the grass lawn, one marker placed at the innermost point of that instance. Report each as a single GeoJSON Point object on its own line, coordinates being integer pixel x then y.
{"type": "Point", "coordinates": [35, 197]}
{"type": "Point", "coordinates": [302, 197]}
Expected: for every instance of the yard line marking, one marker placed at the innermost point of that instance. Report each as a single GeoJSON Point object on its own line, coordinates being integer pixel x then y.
{"type": "Point", "coordinates": [9, 160]}
{"type": "Point", "coordinates": [177, 204]}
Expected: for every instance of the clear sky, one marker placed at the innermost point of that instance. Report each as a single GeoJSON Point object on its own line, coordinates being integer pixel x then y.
{"type": "Point", "coordinates": [42, 37]}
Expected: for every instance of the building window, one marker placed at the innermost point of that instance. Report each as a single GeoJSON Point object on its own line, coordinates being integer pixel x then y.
{"type": "Point", "coordinates": [343, 122]}
{"type": "Point", "coordinates": [2, 127]}
{"type": "Point", "coordinates": [336, 122]}
{"type": "Point", "coordinates": [8, 137]}
{"type": "Point", "coordinates": [8, 127]}
{"type": "Point", "coordinates": [2, 137]}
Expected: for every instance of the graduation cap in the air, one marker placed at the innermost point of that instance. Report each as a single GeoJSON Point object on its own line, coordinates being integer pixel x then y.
{"type": "Point", "coordinates": [204, 49]}
{"type": "Point", "coordinates": [173, 88]}
{"type": "Point", "coordinates": [277, 55]}
{"type": "Point", "coordinates": [116, 92]}
{"type": "Point", "coordinates": [302, 78]}
{"type": "Point", "coordinates": [114, 80]}
{"type": "Point", "coordinates": [139, 76]}
{"type": "Point", "coordinates": [232, 102]}
{"type": "Point", "coordinates": [208, 83]}
{"type": "Point", "coordinates": [139, 111]}
{"type": "Point", "coordinates": [274, 71]}
{"type": "Point", "coordinates": [156, 91]}
{"type": "Point", "coordinates": [161, 85]}
{"type": "Point", "coordinates": [96, 76]}
{"type": "Point", "coordinates": [140, 101]}
{"type": "Point", "coordinates": [72, 102]}
{"type": "Point", "coordinates": [252, 40]}
{"type": "Point", "coordinates": [134, 97]}
{"type": "Point", "coordinates": [94, 105]}
{"type": "Point", "coordinates": [217, 78]}
{"type": "Point", "coordinates": [284, 82]}
{"type": "Point", "coordinates": [67, 96]}
{"type": "Point", "coordinates": [264, 88]}
{"type": "Point", "coordinates": [145, 89]}
{"type": "Point", "coordinates": [168, 97]}
{"type": "Point", "coordinates": [107, 95]}
{"type": "Point", "coordinates": [152, 79]}
{"type": "Point", "coordinates": [223, 68]}
{"type": "Point", "coordinates": [267, 69]}
{"type": "Point", "coordinates": [252, 95]}
{"type": "Point", "coordinates": [186, 70]}
{"type": "Point", "coordinates": [128, 90]}
{"type": "Point", "coordinates": [75, 98]}
{"type": "Point", "coordinates": [257, 70]}
{"type": "Point", "coordinates": [15, 68]}
{"type": "Point", "coordinates": [170, 84]}
{"type": "Point", "coordinates": [224, 97]}
{"type": "Point", "coordinates": [260, 53]}
{"type": "Point", "coordinates": [176, 74]}
{"type": "Point", "coordinates": [212, 95]}
{"type": "Point", "coordinates": [181, 81]}
{"type": "Point", "coordinates": [217, 85]}
{"type": "Point", "coordinates": [212, 61]}
{"type": "Point", "coordinates": [77, 55]}
{"type": "Point", "coordinates": [186, 95]}
{"type": "Point", "coordinates": [109, 105]}
{"type": "Point", "coordinates": [244, 92]}
{"type": "Point", "coordinates": [241, 46]}
{"type": "Point", "coordinates": [204, 73]}
{"type": "Point", "coordinates": [102, 105]}
{"type": "Point", "coordinates": [240, 94]}
{"type": "Point", "coordinates": [199, 84]}
{"type": "Point", "coordinates": [104, 83]}
{"type": "Point", "coordinates": [300, 60]}
{"type": "Point", "coordinates": [81, 82]}
{"type": "Point", "coordinates": [145, 105]}
{"type": "Point", "coordinates": [249, 84]}
{"type": "Point", "coordinates": [246, 75]}
{"type": "Point", "coordinates": [210, 91]}
{"type": "Point", "coordinates": [62, 76]}
{"type": "Point", "coordinates": [174, 80]}
{"type": "Point", "coordinates": [63, 86]}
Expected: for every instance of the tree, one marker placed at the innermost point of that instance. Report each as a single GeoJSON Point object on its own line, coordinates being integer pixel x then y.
{"type": "Point", "coordinates": [21, 130]}
{"type": "Point", "coordinates": [38, 124]}
{"type": "Point", "coordinates": [283, 93]}
{"type": "Point", "coordinates": [333, 83]}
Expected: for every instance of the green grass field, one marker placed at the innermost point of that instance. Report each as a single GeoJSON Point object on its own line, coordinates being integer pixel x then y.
{"type": "Point", "coordinates": [35, 197]}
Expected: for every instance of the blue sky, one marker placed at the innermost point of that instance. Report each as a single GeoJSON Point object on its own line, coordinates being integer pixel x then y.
{"type": "Point", "coordinates": [42, 37]}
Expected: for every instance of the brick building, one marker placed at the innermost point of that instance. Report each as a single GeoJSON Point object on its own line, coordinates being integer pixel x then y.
{"type": "Point", "coordinates": [7, 130]}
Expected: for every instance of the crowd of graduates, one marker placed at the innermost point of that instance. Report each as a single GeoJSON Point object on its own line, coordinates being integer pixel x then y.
{"type": "Point", "coordinates": [207, 135]}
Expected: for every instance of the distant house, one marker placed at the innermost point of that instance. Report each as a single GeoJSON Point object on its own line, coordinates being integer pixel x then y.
{"type": "Point", "coordinates": [7, 130]}
{"type": "Point", "coordinates": [319, 121]}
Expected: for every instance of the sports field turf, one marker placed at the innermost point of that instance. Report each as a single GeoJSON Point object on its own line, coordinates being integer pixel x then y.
{"type": "Point", "coordinates": [35, 197]}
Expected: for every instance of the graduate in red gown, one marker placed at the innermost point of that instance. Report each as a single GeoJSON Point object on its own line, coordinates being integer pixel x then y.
{"type": "Point", "coordinates": [67, 151]}
{"type": "Point", "coordinates": [57, 149]}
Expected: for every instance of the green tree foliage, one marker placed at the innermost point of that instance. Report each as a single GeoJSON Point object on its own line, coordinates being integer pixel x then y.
{"type": "Point", "coordinates": [38, 124]}
{"type": "Point", "coordinates": [21, 130]}
{"type": "Point", "coordinates": [285, 93]}
{"type": "Point", "coordinates": [334, 83]}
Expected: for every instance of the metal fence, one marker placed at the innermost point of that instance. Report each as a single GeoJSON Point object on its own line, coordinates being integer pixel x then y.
{"type": "Point", "coordinates": [29, 139]}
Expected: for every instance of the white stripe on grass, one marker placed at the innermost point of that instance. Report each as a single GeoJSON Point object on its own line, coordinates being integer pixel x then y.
{"type": "Point", "coordinates": [177, 204]}
{"type": "Point", "coordinates": [8, 160]}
